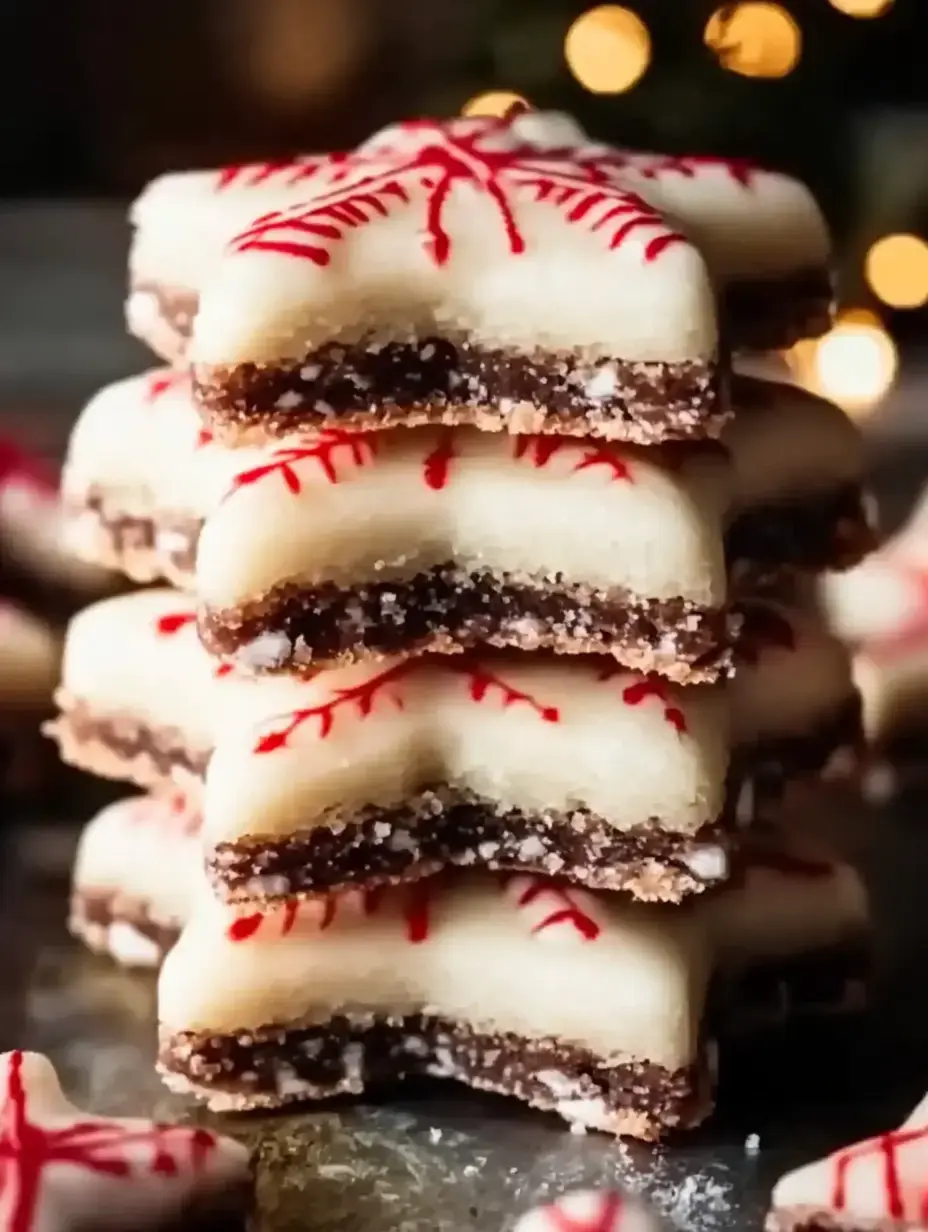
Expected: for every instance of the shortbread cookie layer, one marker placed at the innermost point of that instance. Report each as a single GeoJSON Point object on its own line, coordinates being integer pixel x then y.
{"type": "Point", "coordinates": [760, 232]}
{"type": "Point", "coordinates": [138, 867]}
{"type": "Point", "coordinates": [601, 1025]}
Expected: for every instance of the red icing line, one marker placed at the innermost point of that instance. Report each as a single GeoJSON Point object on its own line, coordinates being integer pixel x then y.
{"type": "Point", "coordinates": [173, 622]}
{"type": "Point", "coordinates": [605, 1219]}
{"type": "Point", "coordinates": [252, 175]}
{"type": "Point", "coordinates": [224, 669]}
{"type": "Point", "coordinates": [764, 628]}
{"type": "Point", "coordinates": [362, 447]}
{"type": "Point", "coordinates": [641, 690]}
{"type": "Point", "coordinates": [567, 911]}
{"type": "Point", "coordinates": [482, 681]}
{"type": "Point", "coordinates": [437, 465]}
{"type": "Point", "coordinates": [416, 912]}
{"type": "Point", "coordinates": [539, 450]}
{"type": "Point", "coordinates": [28, 1149]}
{"type": "Point", "coordinates": [164, 380]}
{"type": "Point", "coordinates": [445, 159]}
{"type": "Point", "coordinates": [887, 1146]}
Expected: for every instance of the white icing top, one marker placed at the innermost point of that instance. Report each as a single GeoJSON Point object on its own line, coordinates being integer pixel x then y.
{"type": "Point", "coordinates": [64, 1169]}
{"type": "Point", "coordinates": [591, 1210]}
{"type": "Point", "coordinates": [625, 980]}
{"type": "Point", "coordinates": [460, 229]}
{"type": "Point", "coordinates": [145, 849]}
{"type": "Point", "coordinates": [30, 654]}
{"type": "Point", "coordinates": [883, 1180]}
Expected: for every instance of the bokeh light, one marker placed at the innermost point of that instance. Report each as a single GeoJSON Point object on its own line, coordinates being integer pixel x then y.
{"type": "Point", "coordinates": [608, 49]}
{"type": "Point", "coordinates": [854, 364]}
{"type": "Point", "coordinates": [897, 270]}
{"type": "Point", "coordinates": [493, 103]}
{"type": "Point", "coordinates": [862, 8]}
{"type": "Point", "coordinates": [755, 39]}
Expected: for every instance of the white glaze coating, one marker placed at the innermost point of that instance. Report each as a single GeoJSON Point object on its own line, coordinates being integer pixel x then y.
{"type": "Point", "coordinates": [64, 1169]}
{"type": "Point", "coordinates": [878, 1183]}
{"type": "Point", "coordinates": [625, 980]}
{"type": "Point", "coordinates": [30, 654]}
{"type": "Point", "coordinates": [460, 229]}
{"type": "Point", "coordinates": [145, 852]}
{"type": "Point", "coordinates": [592, 1210]}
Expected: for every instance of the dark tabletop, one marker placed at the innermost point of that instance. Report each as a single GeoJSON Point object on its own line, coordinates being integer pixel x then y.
{"type": "Point", "coordinates": [439, 1158]}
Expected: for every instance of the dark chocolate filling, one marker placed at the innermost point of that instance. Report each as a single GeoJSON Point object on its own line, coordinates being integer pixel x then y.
{"type": "Point", "coordinates": [126, 737]}
{"type": "Point", "coordinates": [435, 830]}
{"type": "Point", "coordinates": [806, 1219]}
{"type": "Point", "coordinates": [105, 907]}
{"type": "Point", "coordinates": [302, 627]}
{"type": "Point", "coordinates": [371, 385]}
{"type": "Point", "coordinates": [275, 1065]}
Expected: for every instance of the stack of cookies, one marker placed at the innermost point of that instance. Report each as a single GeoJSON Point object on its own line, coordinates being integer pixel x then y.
{"type": "Point", "coordinates": [465, 520]}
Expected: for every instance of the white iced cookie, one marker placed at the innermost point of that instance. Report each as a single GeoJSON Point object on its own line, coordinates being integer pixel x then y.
{"type": "Point", "coordinates": [577, 983]}
{"type": "Point", "coordinates": [878, 1184]}
{"type": "Point", "coordinates": [64, 1170]}
{"type": "Point", "coordinates": [592, 1210]}
{"type": "Point", "coordinates": [138, 867]}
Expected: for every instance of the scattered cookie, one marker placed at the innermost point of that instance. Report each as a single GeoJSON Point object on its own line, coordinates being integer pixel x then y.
{"type": "Point", "coordinates": [589, 1008]}
{"type": "Point", "coordinates": [873, 1186]}
{"type": "Point", "coordinates": [63, 1170]}
{"type": "Point", "coordinates": [592, 1210]}
{"type": "Point", "coordinates": [139, 864]}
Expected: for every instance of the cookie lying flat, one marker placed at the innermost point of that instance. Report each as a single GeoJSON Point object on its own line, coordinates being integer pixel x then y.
{"type": "Point", "coordinates": [154, 709]}
{"type": "Point", "coordinates": [578, 1005]}
{"type": "Point", "coordinates": [873, 1186]}
{"type": "Point", "coordinates": [457, 275]}
{"type": "Point", "coordinates": [138, 866]}
{"type": "Point", "coordinates": [761, 232]}
{"type": "Point", "coordinates": [592, 1210]}
{"type": "Point", "coordinates": [64, 1170]}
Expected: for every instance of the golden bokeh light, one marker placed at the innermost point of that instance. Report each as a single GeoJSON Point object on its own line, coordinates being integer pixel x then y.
{"type": "Point", "coordinates": [862, 8]}
{"type": "Point", "coordinates": [755, 39]}
{"type": "Point", "coordinates": [494, 103]}
{"type": "Point", "coordinates": [854, 364]}
{"type": "Point", "coordinates": [897, 270]}
{"type": "Point", "coordinates": [608, 49]}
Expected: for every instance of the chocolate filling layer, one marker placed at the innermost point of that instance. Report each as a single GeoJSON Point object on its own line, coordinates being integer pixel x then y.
{"type": "Point", "coordinates": [304, 627]}
{"type": "Point", "coordinates": [438, 829]}
{"type": "Point", "coordinates": [98, 909]}
{"type": "Point", "coordinates": [770, 314]}
{"type": "Point", "coordinates": [812, 1219]}
{"type": "Point", "coordinates": [435, 380]}
{"type": "Point", "coordinates": [280, 1064]}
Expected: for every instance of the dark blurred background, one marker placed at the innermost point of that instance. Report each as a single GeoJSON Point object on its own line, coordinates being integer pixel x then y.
{"type": "Point", "coordinates": [97, 96]}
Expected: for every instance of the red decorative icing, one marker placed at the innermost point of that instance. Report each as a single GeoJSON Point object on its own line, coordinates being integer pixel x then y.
{"type": "Point", "coordinates": [648, 686]}
{"type": "Point", "coordinates": [437, 465]}
{"type": "Point", "coordinates": [741, 170]}
{"type": "Point", "coordinates": [172, 811]}
{"type": "Point", "coordinates": [163, 380]}
{"type": "Point", "coordinates": [886, 1147]}
{"type": "Point", "coordinates": [416, 906]}
{"type": "Point", "coordinates": [288, 171]}
{"type": "Point", "coordinates": [173, 622]}
{"type": "Point", "coordinates": [565, 910]}
{"type": "Point", "coordinates": [482, 680]}
{"type": "Point", "coordinates": [764, 628]}
{"type": "Point", "coordinates": [27, 1150]}
{"type": "Point", "coordinates": [361, 447]}
{"type": "Point", "coordinates": [224, 669]}
{"type": "Point", "coordinates": [606, 1215]}
{"type": "Point", "coordinates": [438, 157]}
{"type": "Point", "coordinates": [539, 450]}
{"type": "Point", "coordinates": [362, 696]}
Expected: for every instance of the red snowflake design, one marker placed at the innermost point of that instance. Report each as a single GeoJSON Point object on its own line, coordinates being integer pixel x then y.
{"type": "Point", "coordinates": [172, 622]}
{"type": "Point", "coordinates": [539, 450]}
{"type": "Point", "coordinates": [437, 158]}
{"type": "Point", "coordinates": [564, 909]}
{"type": "Point", "coordinates": [286, 172]}
{"type": "Point", "coordinates": [163, 380]}
{"type": "Point", "coordinates": [764, 628]}
{"type": "Point", "coordinates": [27, 1150]}
{"type": "Point", "coordinates": [656, 166]}
{"type": "Point", "coordinates": [606, 1214]}
{"type": "Point", "coordinates": [361, 448]}
{"type": "Point", "coordinates": [482, 681]}
{"type": "Point", "coordinates": [887, 1147]}
{"type": "Point", "coordinates": [361, 697]}
{"type": "Point", "coordinates": [643, 689]}
{"type": "Point", "coordinates": [416, 903]}
{"type": "Point", "coordinates": [436, 467]}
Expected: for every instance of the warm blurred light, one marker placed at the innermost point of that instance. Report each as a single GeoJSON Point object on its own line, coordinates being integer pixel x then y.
{"type": "Point", "coordinates": [854, 364]}
{"type": "Point", "coordinates": [755, 39]}
{"type": "Point", "coordinates": [897, 270]}
{"type": "Point", "coordinates": [608, 49]}
{"type": "Point", "coordinates": [862, 8]}
{"type": "Point", "coordinates": [493, 103]}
